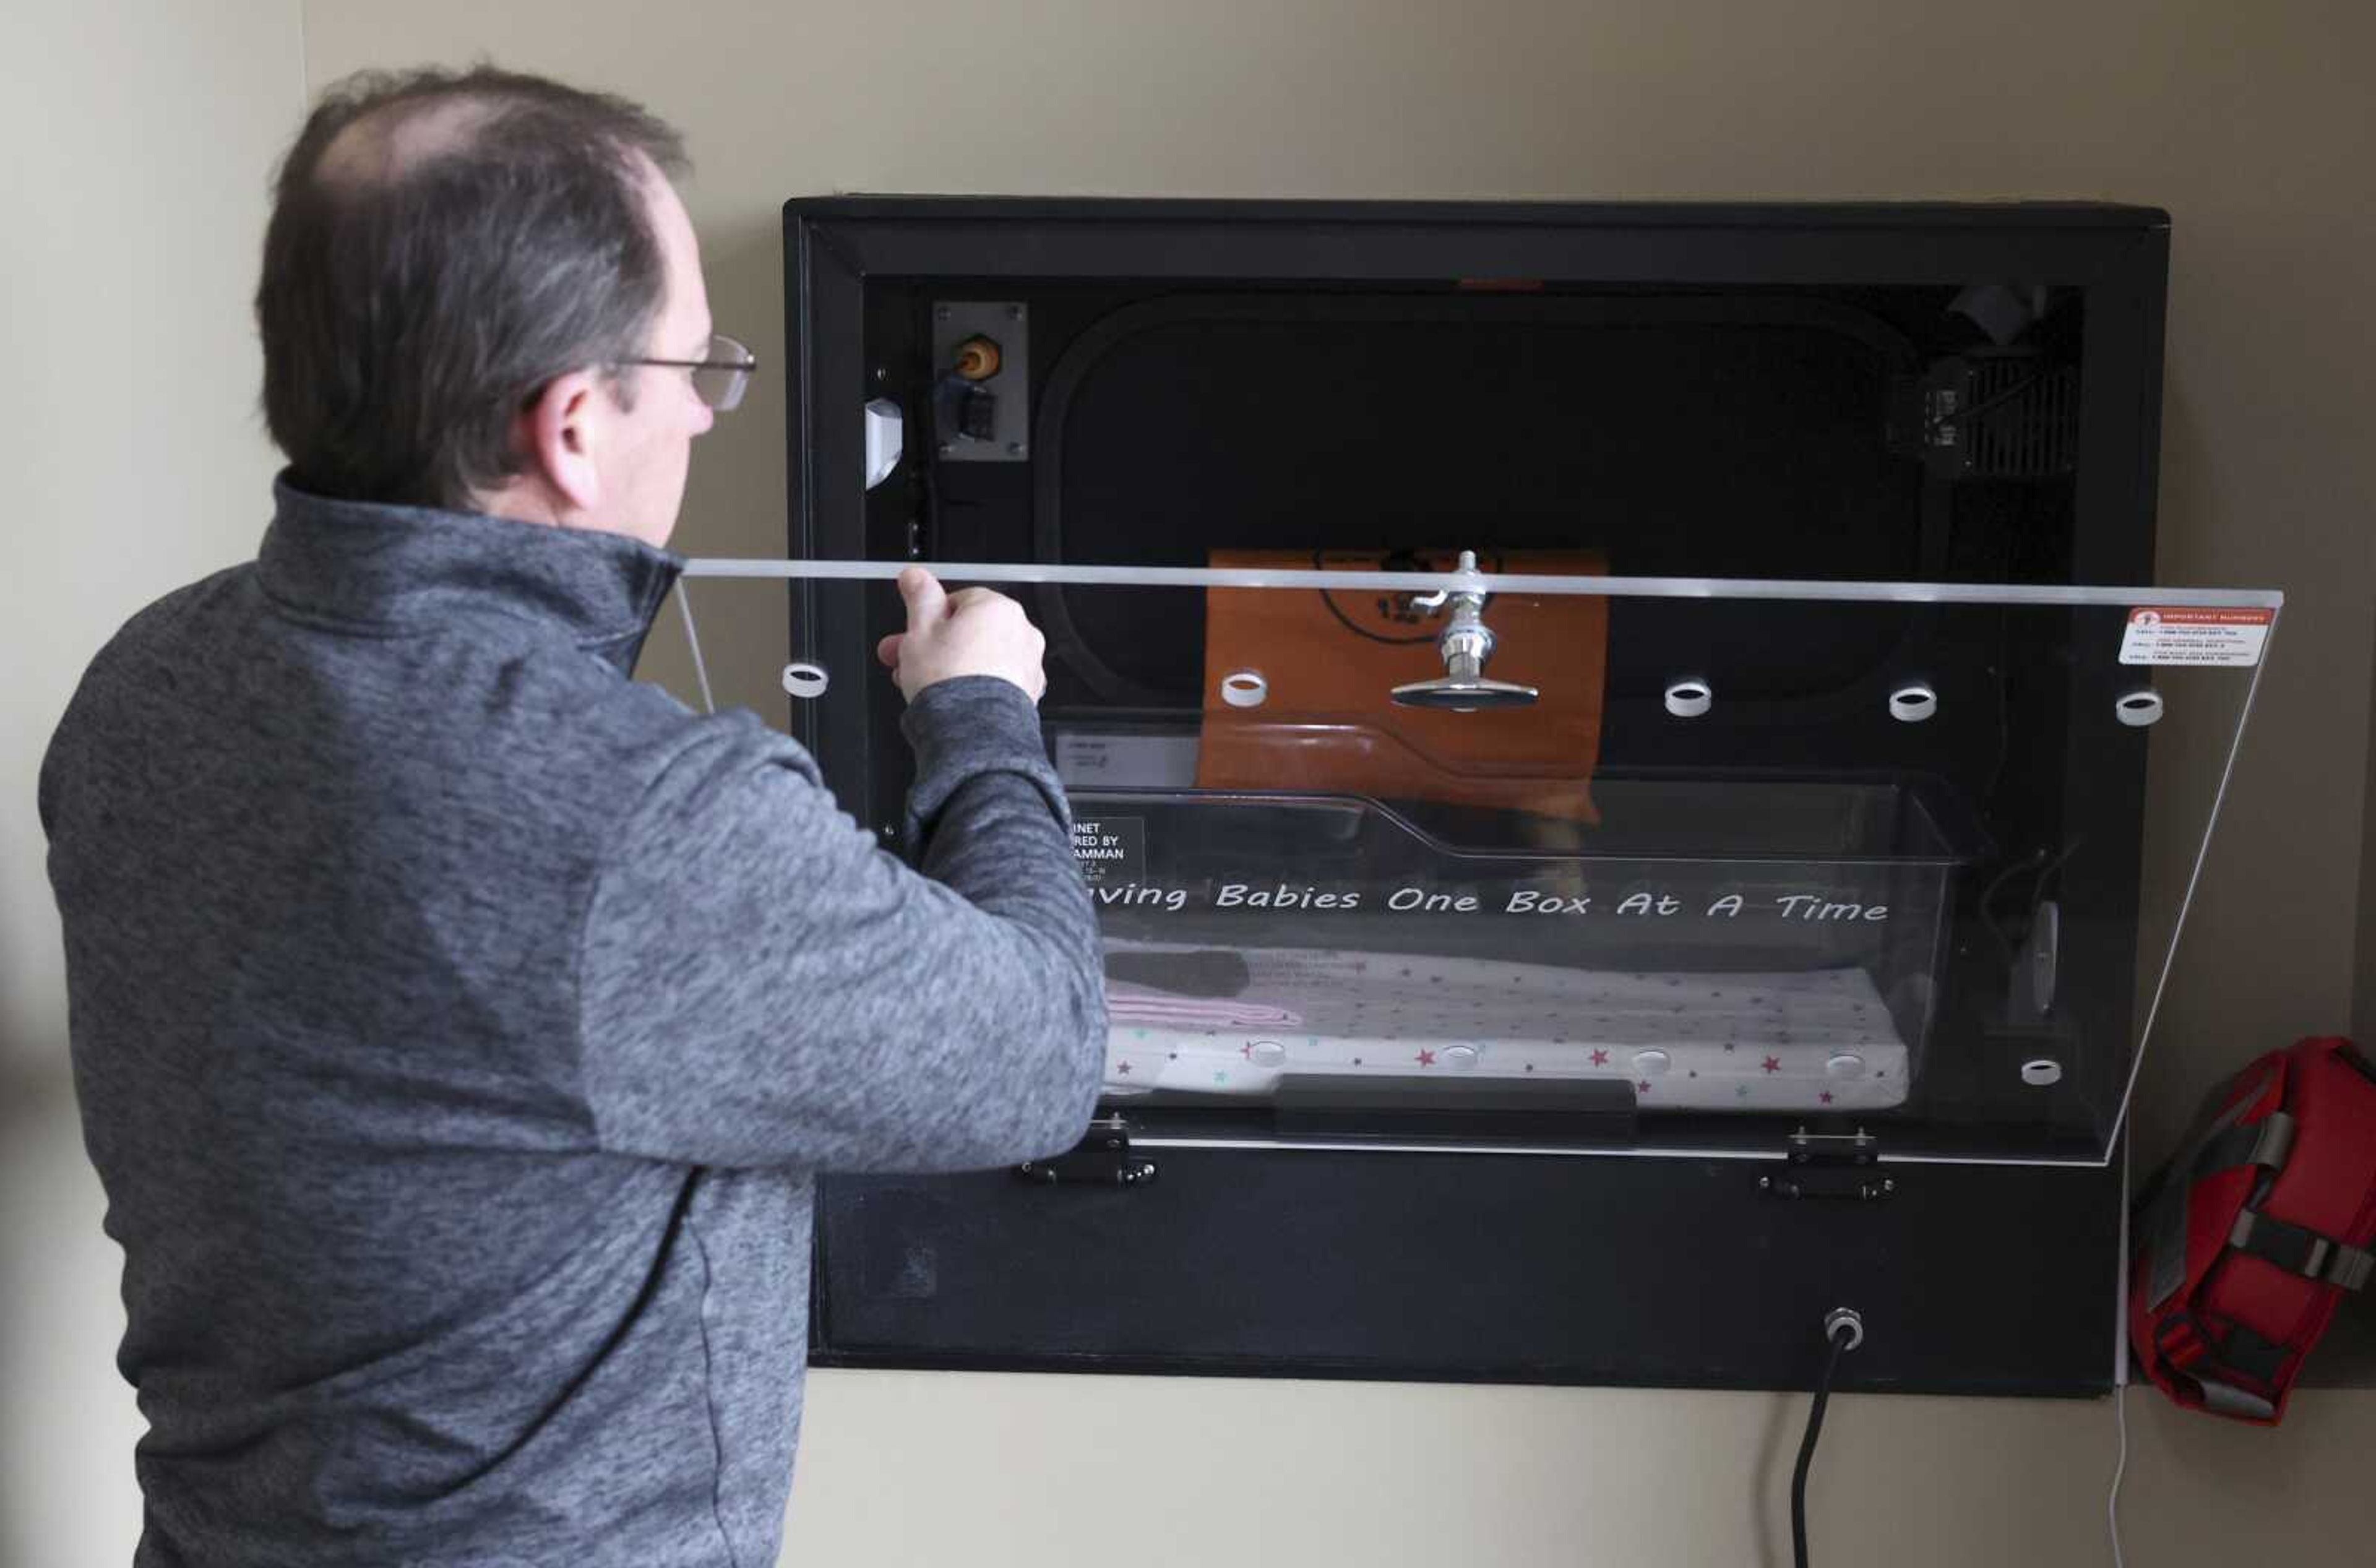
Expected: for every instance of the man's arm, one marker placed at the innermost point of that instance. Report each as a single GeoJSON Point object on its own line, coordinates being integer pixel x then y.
{"type": "Point", "coordinates": [761, 983]}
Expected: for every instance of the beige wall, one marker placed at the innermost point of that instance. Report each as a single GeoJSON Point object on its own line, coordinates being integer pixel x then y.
{"type": "Point", "coordinates": [2363, 1011]}
{"type": "Point", "coordinates": [139, 133]}
{"type": "Point", "coordinates": [902, 1468]}
{"type": "Point", "coordinates": [2249, 123]}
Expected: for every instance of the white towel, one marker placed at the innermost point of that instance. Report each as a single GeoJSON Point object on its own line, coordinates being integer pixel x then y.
{"type": "Point", "coordinates": [1136, 1004]}
{"type": "Point", "coordinates": [1812, 1040]}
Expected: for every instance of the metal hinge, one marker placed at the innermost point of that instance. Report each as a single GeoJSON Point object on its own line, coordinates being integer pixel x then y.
{"type": "Point", "coordinates": [1831, 1165]}
{"type": "Point", "coordinates": [1103, 1159]}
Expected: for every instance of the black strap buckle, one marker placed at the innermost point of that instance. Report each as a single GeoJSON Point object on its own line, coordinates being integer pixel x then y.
{"type": "Point", "coordinates": [2296, 1249]}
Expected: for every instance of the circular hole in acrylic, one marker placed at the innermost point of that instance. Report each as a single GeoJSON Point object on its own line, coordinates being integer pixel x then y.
{"type": "Point", "coordinates": [1244, 688]}
{"type": "Point", "coordinates": [2041, 1072]}
{"type": "Point", "coordinates": [1689, 699]}
{"type": "Point", "coordinates": [805, 681]}
{"type": "Point", "coordinates": [1912, 704]}
{"type": "Point", "coordinates": [2138, 709]}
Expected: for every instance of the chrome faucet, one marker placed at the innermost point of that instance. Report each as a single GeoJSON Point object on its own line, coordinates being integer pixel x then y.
{"type": "Point", "coordinates": [1465, 645]}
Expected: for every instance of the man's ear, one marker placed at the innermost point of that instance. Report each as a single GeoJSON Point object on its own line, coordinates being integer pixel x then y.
{"type": "Point", "coordinates": [561, 432]}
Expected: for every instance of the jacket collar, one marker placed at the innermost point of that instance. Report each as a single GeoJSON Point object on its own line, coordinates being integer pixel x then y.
{"type": "Point", "coordinates": [363, 564]}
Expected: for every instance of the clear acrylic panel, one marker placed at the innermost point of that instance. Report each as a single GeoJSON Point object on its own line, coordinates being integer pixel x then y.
{"type": "Point", "coordinates": [1442, 859]}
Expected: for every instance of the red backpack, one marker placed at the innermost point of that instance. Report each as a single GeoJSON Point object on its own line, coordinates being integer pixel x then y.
{"type": "Point", "coordinates": [2250, 1236]}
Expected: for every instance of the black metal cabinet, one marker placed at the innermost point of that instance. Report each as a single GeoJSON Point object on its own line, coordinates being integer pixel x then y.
{"type": "Point", "coordinates": [1971, 1279]}
{"type": "Point", "coordinates": [1858, 392]}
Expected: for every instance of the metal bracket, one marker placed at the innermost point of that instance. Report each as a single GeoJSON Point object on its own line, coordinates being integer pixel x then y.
{"type": "Point", "coordinates": [1831, 1165]}
{"type": "Point", "coordinates": [1103, 1159]}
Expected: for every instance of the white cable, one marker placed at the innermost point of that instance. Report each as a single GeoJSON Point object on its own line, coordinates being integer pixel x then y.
{"type": "Point", "coordinates": [2113, 1504]}
{"type": "Point", "coordinates": [692, 637]}
{"type": "Point", "coordinates": [2121, 1349]}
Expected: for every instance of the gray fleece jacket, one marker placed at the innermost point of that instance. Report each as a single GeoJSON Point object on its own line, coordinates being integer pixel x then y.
{"type": "Point", "coordinates": [457, 1026]}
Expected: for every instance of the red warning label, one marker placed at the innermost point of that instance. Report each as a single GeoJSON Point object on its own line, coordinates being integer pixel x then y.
{"type": "Point", "coordinates": [2169, 636]}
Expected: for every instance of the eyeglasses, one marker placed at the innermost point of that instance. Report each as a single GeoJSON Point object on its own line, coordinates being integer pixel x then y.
{"type": "Point", "coordinates": [719, 380]}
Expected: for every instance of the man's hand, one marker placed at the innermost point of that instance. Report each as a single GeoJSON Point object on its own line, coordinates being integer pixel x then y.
{"type": "Point", "coordinates": [972, 631]}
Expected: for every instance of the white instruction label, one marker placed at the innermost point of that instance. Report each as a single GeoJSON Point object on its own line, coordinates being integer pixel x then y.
{"type": "Point", "coordinates": [1120, 760]}
{"type": "Point", "coordinates": [2229, 638]}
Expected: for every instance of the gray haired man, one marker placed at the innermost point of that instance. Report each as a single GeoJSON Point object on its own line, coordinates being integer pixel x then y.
{"type": "Point", "coordinates": [457, 1025]}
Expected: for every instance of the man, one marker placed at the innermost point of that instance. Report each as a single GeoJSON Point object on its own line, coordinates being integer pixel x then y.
{"type": "Point", "coordinates": [456, 1024]}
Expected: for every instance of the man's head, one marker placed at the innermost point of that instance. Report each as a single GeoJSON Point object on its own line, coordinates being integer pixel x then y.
{"type": "Point", "coordinates": [459, 271]}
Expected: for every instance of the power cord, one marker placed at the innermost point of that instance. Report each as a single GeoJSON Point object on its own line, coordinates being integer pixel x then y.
{"type": "Point", "coordinates": [2121, 1364]}
{"type": "Point", "coordinates": [2113, 1504]}
{"type": "Point", "coordinates": [1844, 1331]}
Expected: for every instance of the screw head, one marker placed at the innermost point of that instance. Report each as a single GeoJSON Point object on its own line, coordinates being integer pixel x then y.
{"type": "Point", "coordinates": [1015, 448]}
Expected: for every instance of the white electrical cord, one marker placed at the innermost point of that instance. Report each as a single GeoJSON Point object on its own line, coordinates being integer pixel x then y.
{"type": "Point", "coordinates": [2113, 1504]}
{"type": "Point", "coordinates": [693, 638]}
{"type": "Point", "coordinates": [2120, 1353]}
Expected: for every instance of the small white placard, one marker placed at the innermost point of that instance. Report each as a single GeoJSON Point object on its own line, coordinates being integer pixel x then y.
{"type": "Point", "coordinates": [2227, 638]}
{"type": "Point", "coordinates": [1125, 761]}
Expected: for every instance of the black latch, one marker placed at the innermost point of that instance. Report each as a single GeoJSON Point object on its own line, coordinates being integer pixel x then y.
{"type": "Point", "coordinates": [1831, 1165]}
{"type": "Point", "coordinates": [1102, 1160]}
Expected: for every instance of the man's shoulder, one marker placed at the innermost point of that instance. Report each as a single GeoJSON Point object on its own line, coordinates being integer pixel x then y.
{"type": "Point", "coordinates": [156, 624]}
{"type": "Point", "coordinates": [139, 660]}
{"type": "Point", "coordinates": [151, 642]}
